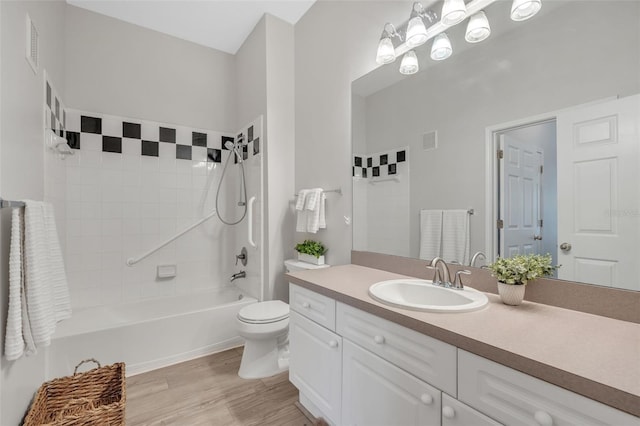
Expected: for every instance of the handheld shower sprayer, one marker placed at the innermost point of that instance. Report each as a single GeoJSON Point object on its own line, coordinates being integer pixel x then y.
{"type": "Point", "coordinates": [235, 148]}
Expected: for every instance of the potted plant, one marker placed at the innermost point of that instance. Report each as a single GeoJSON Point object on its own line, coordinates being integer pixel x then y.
{"type": "Point", "coordinates": [311, 252]}
{"type": "Point", "coordinates": [515, 272]}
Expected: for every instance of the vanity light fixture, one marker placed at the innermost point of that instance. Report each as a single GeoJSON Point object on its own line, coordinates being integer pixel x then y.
{"type": "Point", "coordinates": [441, 48]}
{"type": "Point", "coordinates": [478, 28]}
{"type": "Point", "coordinates": [423, 25]}
{"type": "Point", "coordinates": [409, 64]}
{"type": "Point", "coordinates": [386, 51]}
{"type": "Point", "coordinates": [416, 30]}
{"type": "Point", "coordinates": [453, 12]}
{"type": "Point", "coordinates": [522, 10]}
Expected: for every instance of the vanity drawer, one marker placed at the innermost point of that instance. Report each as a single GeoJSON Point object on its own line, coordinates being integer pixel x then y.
{"type": "Point", "coordinates": [429, 359]}
{"type": "Point", "coordinates": [515, 398]}
{"type": "Point", "coordinates": [316, 307]}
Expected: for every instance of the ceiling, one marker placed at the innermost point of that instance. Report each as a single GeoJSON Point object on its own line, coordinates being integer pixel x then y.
{"type": "Point", "coordinates": [219, 24]}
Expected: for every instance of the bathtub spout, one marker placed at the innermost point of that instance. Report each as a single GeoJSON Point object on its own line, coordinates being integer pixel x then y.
{"type": "Point", "coordinates": [240, 274]}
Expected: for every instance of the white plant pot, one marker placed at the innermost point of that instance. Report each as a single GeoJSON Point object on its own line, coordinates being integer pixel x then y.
{"type": "Point", "coordinates": [303, 257]}
{"type": "Point", "coordinates": [511, 294]}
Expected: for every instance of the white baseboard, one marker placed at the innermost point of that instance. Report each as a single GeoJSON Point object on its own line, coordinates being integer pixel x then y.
{"type": "Point", "coordinates": [143, 367]}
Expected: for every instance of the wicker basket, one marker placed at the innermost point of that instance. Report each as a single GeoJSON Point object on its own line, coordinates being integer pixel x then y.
{"type": "Point", "coordinates": [96, 397]}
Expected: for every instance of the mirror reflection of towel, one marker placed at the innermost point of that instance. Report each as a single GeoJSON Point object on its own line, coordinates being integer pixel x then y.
{"type": "Point", "coordinates": [430, 233]}
{"type": "Point", "coordinates": [455, 236]}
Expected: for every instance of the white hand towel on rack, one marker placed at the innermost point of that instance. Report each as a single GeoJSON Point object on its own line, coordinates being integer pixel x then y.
{"type": "Point", "coordinates": [14, 342]}
{"type": "Point", "coordinates": [301, 212]}
{"type": "Point", "coordinates": [42, 289]}
{"type": "Point", "coordinates": [430, 233]}
{"type": "Point", "coordinates": [314, 203]}
{"type": "Point", "coordinates": [455, 236]}
{"type": "Point", "coordinates": [322, 222]}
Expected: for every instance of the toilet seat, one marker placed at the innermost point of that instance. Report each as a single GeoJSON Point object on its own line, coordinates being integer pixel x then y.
{"type": "Point", "coordinates": [264, 312]}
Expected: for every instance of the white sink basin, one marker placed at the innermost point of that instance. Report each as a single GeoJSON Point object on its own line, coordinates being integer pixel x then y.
{"type": "Point", "coordinates": [422, 295]}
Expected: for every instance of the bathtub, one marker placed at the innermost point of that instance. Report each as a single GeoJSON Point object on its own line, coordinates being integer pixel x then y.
{"type": "Point", "coordinates": [148, 335]}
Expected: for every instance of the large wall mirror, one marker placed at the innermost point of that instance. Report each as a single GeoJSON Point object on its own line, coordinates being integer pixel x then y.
{"type": "Point", "coordinates": [525, 142]}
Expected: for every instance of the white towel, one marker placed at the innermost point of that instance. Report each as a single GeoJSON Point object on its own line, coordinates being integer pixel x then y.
{"type": "Point", "coordinates": [301, 220]}
{"type": "Point", "coordinates": [430, 233]}
{"type": "Point", "coordinates": [455, 236]}
{"type": "Point", "coordinates": [314, 206]}
{"type": "Point", "coordinates": [39, 295]}
{"type": "Point", "coordinates": [322, 222]}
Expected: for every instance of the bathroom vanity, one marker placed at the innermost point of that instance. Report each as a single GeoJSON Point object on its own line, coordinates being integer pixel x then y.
{"type": "Point", "coordinates": [356, 361]}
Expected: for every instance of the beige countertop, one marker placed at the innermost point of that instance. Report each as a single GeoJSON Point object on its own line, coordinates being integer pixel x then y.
{"type": "Point", "coordinates": [594, 356]}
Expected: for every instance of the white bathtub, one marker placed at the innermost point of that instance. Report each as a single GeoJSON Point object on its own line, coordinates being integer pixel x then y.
{"type": "Point", "coordinates": [148, 335]}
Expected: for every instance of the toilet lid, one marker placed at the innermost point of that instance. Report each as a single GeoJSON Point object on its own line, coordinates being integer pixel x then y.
{"type": "Point", "coordinates": [264, 312]}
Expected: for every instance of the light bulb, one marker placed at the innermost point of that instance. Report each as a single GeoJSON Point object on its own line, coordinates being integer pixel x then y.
{"type": "Point", "coordinates": [386, 53]}
{"type": "Point", "coordinates": [441, 48]}
{"type": "Point", "coordinates": [478, 28]}
{"type": "Point", "coordinates": [453, 11]}
{"type": "Point", "coordinates": [522, 10]}
{"type": "Point", "coordinates": [416, 32]}
{"type": "Point", "coordinates": [409, 64]}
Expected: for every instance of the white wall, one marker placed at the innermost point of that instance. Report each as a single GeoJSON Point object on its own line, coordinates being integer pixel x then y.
{"type": "Point", "coordinates": [22, 158]}
{"type": "Point", "coordinates": [335, 43]}
{"type": "Point", "coordinates": [265, 86]}
{"type": "Point", "coordinates": [281, 153]}
{"type": "Point", "coordinates": [118, 68]}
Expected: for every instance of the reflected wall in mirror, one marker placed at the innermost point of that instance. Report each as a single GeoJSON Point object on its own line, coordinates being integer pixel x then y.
{"type": "Point", "coordinates": [543, 78]}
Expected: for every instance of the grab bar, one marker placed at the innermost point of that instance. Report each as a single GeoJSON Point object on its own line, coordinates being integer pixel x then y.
{"type": "Point", "coordinates": [132, 261]}
{"type": "Point", "coordinates": [250, 222]}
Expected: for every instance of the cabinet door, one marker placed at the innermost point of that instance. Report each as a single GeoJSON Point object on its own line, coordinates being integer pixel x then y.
{"type": "Point", "coordinates": [455, 413]}
{"type": "Point", "coordinates": [376, 392]}
{"type": "Point", "coordinates": [515, 398]}
{"type": "Point", "coordinates": [315, 366]}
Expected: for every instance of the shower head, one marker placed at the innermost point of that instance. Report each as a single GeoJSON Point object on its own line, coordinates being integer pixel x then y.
{"type": "Point", "coordinates": [230, 145]}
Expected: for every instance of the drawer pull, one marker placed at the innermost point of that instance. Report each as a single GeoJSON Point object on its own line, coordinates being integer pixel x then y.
{"type": "Point", "coordinates": [333, 343]}
{"type": "Point", "coordinates": [379, 339]}
{"type": "Point", "coordinates": [426, 399]}
{"type": "Point", "coordinates": [306, 305]}
{"type": "Point", "coordinates": [448, 412]}
{"type": "Point", "coordinates": [543, 418]}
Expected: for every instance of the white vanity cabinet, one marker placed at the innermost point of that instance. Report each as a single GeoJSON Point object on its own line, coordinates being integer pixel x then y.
{"type": "Point", "coordinates": [515, 398]}
{"type": "Point", "coordinates": [377, 393]}
{"type": "Point", "coordinates": [357, 369]}
{"type": "Point", "coordinates": [315, 365]}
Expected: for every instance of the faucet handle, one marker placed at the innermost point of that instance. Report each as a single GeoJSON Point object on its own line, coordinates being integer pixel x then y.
{"type": "Point", "coordinates": [457, 282]}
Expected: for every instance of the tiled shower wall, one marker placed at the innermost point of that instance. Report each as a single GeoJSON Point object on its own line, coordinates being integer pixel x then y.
{"type": "Point", "coordinates": [131, 185]}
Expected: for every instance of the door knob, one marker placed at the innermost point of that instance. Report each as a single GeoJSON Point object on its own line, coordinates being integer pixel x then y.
{"type": "Point", "coordinates": [537, 237]}
{"type": "Point", "coordinates": [565, 247]}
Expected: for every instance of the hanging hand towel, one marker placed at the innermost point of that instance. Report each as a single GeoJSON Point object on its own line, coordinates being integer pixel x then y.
{"type": "Point", "coordinates": [14, 342]}
{"type": "Point", "coordinates": [301, 212]}
{"type": "Point", "coordinates": [430, 233]}
{"type": "Point", "coordinates": [314, 203]}
{"type": "Point", "coordinates": [37, 271]}
{"type": "Point", "coordinates": [455, 236]}
{"type": "Point", "coordinates": [322, 223]}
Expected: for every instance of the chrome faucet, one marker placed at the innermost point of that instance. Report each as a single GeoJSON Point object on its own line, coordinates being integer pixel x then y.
{"type": "Point", "coordinates": [240, 274]}
{"type": "Point", "coordinates": [475, 257]}
{"type": "Point", "coordinates": [444, 278]}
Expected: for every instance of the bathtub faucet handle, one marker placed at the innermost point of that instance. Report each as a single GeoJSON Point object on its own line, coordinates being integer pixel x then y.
{"type": "Point", "coordinates": [242, 256]}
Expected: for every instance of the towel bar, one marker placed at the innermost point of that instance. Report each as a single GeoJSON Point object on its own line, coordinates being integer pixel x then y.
{"type": "Point", "coordinates": [339, 191]}
{"type": "Point", "coordinates": [9, 204]}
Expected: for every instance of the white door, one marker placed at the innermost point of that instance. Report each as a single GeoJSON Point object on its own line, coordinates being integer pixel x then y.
{"type": "Point", "coordinates": [598, 192]}
{"type": "Point", "coordinates": [520, 194]}
{"type": "Point", "coordinates": [315, 366]}
{"type": "Point", "coordinates": [377, 393]}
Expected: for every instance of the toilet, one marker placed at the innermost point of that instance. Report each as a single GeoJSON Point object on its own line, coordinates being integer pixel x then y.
{"type": "Point", "coordinates": [265, 329]}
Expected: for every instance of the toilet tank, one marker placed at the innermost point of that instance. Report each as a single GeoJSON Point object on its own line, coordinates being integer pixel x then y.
{"type": "Point", "coordinates": [293, 265]}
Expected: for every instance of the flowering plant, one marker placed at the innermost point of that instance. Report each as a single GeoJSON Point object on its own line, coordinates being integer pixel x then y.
{"type": "Point", "coordinates": [520, 269]}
